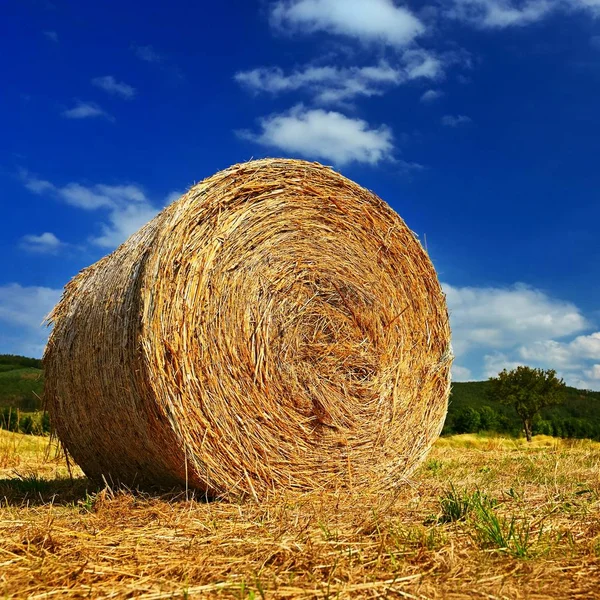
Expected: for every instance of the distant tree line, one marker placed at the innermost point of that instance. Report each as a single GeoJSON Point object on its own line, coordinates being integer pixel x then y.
{"type": "Point", "coordinates": [15, 360]}
{"type": "Point", "coordinates": [526, 400]}
{"type": "Point", "coordinates": [486, 419]}
{"type": "Point", "coordinates": [28, 423]}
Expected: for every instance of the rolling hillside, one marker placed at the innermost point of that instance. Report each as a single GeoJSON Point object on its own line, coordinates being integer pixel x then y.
{"type": "Point", "coordinates": [21, 382]}
{"type": "Point", "coordinates": [579, 405]}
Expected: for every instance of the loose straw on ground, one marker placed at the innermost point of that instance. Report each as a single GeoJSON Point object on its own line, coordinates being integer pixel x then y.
{"type": "Point", "coordinates": [277, 326]}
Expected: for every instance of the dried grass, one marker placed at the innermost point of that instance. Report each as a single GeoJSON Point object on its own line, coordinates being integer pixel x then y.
{"type": "Point", "coordinates": [61, 539]}
{"type": "Point", "coordinates": [277, 326]}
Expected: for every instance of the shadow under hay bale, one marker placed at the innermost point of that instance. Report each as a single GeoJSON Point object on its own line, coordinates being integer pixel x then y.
{"type": "Point", "coordinates": [277, 326]}
{"type": "Point", "coordinates": [32, 490]}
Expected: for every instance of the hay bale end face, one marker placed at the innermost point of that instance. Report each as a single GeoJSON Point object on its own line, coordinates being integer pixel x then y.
{"type": "Point", "coordinates": [277, 326]}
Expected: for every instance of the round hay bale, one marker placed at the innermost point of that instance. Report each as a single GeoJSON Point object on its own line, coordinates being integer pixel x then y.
{"type": "Point", "coordinates": [278, 325]}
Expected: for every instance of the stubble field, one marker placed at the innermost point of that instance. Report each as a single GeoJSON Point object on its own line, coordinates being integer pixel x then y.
{"type": "Point", "coordinates": [483, 517]}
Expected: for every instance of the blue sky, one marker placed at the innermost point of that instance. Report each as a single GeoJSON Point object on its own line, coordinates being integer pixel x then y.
{"type": "Point", "coordinates": [477, 120]}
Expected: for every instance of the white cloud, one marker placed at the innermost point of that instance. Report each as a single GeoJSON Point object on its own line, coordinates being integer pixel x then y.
{"type": "Point", "coordinates": [52, 36]}
{"type": "Point", "coordinates": [99, 196]}
{"type": "Point", "coordinates": [46, 243]}
{"type": "Point", "coordinates": [127, 207]}
{"type": "Point", "coordinates": [431, 95]}
{"type": "Point", "coordinates": [123, 220]}
{"type": "Point", "coordinates": [455, 121]}
{"type": "Point", "coordinates": [86, 110]}
{"type": "Point", "coordinates": [550, 352]}
{"type": "Point", "coordinates": [35, 184]}
{"type": "Point", "coordinates": [332, 84]}
{"type": "Point", "coordinates": [26, 306]}
{"type": "Point", "coordinates": [564, 355]}
{"type": "Point", "coordinates": [118, 88]}
{"type": "Point", "coordinates": [499, 14]}
{"type": "Point", "coordinates": [498, 328]}
{"type": "Point", "coordinates": [324, 135]}
{"type": "Point", "coordinates": [593, 5]}
{"type": "Point", "coordinates": [379, 21]}
{"type": "Point", "coordinates": [172, 196]}
{"type": "Point", "coordinates": [504, 318]}
{"type": "Point", "coordinates": [496, 362]}
{"type": "Point", "coordinates": [594, 372]}
{"type": "Point", "coordinates": [22, 310]}
{"type": "Point", "coordinates": [587, 346]}
{"type": "Point", "coordinates": [81, 196]}
{"type": "Point", "coordinates": [422, 63]}
{"type": "Point", "coordinates": [327, 84]}
{"type": "Point", "coordinates": [461, 373]}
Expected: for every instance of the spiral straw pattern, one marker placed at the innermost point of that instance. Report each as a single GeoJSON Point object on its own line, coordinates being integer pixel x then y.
{"type": "Point", "coordinates": [277, 326]}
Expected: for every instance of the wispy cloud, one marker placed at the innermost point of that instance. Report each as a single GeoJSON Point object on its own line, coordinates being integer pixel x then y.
{"type": "Point", "coordinates": [461, 373]}
{"type": "Point", "coordinates": [431, 95]}
{"type": "Point", "coordinates": [26, 306]}
{"type": "Point", "coordinates": [503, 318]}
{"type": "Point", "coordinates": [123, 220]}
{"type": "Point", "coordinates": [565, 355]}
{"type": "Point", "coordinates": [86, 110]}
{"type": "Point", "coordinates": [46, 243]}
{"type": "Point", "coordinates": [495, 362]}
{"type": "Point", "coordinates": [126, 207]}
{"type": "Point", "coordinates": [455, 120]}
{"type": "Point", "coordinates": [172, 196]}
{"type": "Point", "coordinates": [148, 54]}
{"type": "Point", "coordinates": [420, 63]}
{"type": "Point", "coordinates": [118, 88]}
{"type": "Point", "coordinates": [593, 373]}
{"type": "Point", "coordinates": [35, 184]}
{"type": "Point", "coordinates": [22, 310]}
{"type": "Point", "coordinates": [497, 328]}
{"type": "Point", "coordinates": [375, 21]}
{"type": "Point", "coordinates": [52, 36]}
{"type": "Point", "coordinates": [160, 61]}
{"type": "Point", "coordinates": [378, 26]}
{"type": "Point", "coordinates": [501, 14]}
{"type": "Point", "coordinates": [327, 84]}
{"type": "Point", "coordinates": [324, 135]}
{"type": "Point", "coordinates": [334, 85]}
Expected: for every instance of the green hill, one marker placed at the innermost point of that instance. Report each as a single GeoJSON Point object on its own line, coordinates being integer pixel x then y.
{"type": "Point", "coordinates": [578, 416]}
{"type": "Point", "coordinates": [21, 382]}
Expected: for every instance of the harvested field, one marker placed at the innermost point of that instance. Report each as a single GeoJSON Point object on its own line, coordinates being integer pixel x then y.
{"type": "Point", "coordinates": [483, 517]}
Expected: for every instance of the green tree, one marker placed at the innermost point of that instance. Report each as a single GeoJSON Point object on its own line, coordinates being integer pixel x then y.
{"type": "Point", "coordinates": [9, 419]}
{"type": "Point", "coordinates": [45, 423]}
{"type": "Point", "coordinates": [26, 424]}
{"type": "Point", "coordinates": [528, 391]}
{"type": "Point", "coordinates": [543, 427]}
{"type": "Point", "coordinates": [489, 419]}
{"type": "Point", "coordinates": [467, 420]}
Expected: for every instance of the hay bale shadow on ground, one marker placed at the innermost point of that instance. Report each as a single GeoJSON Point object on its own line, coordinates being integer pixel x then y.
{"type": "Point", "coordinates": [32, 490]}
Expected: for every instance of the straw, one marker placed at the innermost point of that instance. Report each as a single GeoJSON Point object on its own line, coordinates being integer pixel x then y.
{"type": "Point", "coordinates": [277, 326]}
